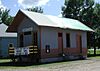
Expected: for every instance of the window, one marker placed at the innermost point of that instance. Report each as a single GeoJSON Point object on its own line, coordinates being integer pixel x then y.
{"type": "Point", "coordinates": [59, 34]}
{"type": "Point", "coordinates": [27, 33]}
{"type": "Point", "coordinates": [67, 40]}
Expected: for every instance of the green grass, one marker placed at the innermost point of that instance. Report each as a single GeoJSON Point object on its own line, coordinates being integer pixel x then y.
{"type": "Point", "coordinates": [97, 57]}
{"type": "Point", "coordinates": [4, 60]}
{"type": "Point", "coordinates": [90, 51]}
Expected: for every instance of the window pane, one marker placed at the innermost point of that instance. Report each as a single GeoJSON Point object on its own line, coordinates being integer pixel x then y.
{"type": "Point", "coordinates": [27, 33]}
{"type": "Point", "coordinates": [59, 34]}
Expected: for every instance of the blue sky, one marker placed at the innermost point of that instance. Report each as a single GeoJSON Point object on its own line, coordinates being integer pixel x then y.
{"type": "Point", "coordinates": [51, 7]}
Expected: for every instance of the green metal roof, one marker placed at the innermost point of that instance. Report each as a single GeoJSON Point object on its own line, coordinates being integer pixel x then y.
{"type": "Point", "coordinates": [53, 21]}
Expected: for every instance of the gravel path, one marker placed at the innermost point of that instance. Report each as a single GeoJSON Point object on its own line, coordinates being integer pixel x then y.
{"type": "Point", "coordinates": [92, 64]}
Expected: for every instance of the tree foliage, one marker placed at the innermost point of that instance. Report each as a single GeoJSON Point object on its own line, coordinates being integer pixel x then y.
{"type": "Point", "coordinates": [5, 17]}
{"type": "Point", "coordinates": [78, 9]}
{"type": "Point", "coordinates": [35, 9]}
{"type": "Point", "coordinates": [86, 11]}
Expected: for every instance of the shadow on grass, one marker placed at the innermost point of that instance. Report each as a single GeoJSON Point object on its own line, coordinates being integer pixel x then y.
{"type": "Point", "coordinates": [92, 55]}
{"type": "Point", "coordinates": [19, 64]}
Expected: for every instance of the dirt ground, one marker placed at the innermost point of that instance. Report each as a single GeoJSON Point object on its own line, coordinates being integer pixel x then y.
{"type": "Point", "coordinates": [91, 64]}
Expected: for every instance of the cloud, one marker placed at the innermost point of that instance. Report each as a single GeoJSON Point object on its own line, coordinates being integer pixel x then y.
{"type": "Point", "coordinates": [1, 5]}
{"type": "Point", "coordinates": [30, 3]}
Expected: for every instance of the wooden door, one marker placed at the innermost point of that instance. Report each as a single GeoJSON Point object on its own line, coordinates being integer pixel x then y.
{"type": "Point", "coordinates": [60, 43]}
{"type": "Point", "coordinates": [36, 51]}
{"type": "Point", "coordinates": [35, 39]}
{"type": "Point", "coordinates": [79, 43]}
{"type": "Point", "coordinates": [21, 40]}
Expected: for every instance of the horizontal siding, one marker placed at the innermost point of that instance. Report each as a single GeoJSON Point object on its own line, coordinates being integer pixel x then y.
{"type": "Point", "coordinates": [49, 36]}
{"type": "Point", "coordinates": [84, 39]}
{"type": "Point", "coordinates": [27, 23]}
{"type": "Point", "coordinates": [5, 43]}
{"type": "Point", "coordinates": [72, 38]}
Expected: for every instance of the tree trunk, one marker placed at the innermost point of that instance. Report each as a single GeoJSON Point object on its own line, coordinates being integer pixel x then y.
{"type": "Point", "coordinates": [94, 51]}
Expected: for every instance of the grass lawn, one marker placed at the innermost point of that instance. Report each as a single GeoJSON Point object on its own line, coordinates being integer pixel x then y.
{"type": "Point", "coordinates": [91, 51]}
{"type": "Point", "coordinates": [4, 60]}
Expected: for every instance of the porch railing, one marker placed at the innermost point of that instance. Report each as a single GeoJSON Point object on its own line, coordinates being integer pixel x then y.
{"type": "Point", "coordinates": [23, 50]}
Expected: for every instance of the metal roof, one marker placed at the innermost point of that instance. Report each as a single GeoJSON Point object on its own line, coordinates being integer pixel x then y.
{"type": "Point", "coordinates": [53, 21]}
{"type": "Point", "coordinates": [3, 32]}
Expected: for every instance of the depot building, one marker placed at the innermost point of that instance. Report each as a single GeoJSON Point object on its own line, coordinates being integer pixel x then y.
{"type": "Point", "coordinates": [54, 37]}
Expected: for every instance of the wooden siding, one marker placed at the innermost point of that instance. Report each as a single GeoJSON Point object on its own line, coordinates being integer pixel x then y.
{"type": "Point", "coordinates": [67, 51]}
{"type": "Point", "coordinates": [17, 20]}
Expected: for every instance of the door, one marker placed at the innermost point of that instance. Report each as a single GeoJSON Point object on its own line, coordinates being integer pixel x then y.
{"type": "Point", "coordinates": [60, 43]}
{"type": "Point", "coordinates": [21, 40]}
{"type": "Point", "coordinates": [79, 43]}
{"type": "Point", "coordinates": [36, 50]}
{"type": "Point", "coordinates": [35, 39]}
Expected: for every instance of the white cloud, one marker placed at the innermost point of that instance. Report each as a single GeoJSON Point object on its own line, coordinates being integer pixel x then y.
{"type": "Point", "coordinates": [1, 5]}
{"type": "Point", "coordinates": [30, 3]}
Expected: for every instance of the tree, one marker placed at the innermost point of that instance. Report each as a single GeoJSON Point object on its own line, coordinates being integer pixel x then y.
{"type": "Point", "coordinates": [87, 12]}
{"type": "Point", "coordinates": [35, 9]}
{"type": "Point", "coordinates": [72, 8]}
{"type": "Point", "coordinates": [97, 25]}
{"type": "Point", "coordinates": [5, 17]}
{"type": "Point", "coordinates": [77, 9]}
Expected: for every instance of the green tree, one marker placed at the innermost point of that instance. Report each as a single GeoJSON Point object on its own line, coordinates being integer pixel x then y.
{"type": "Point", "coordinates": [96, 20]}
{"type": "Point", "coordinates": [5, 17]}
{"type": "Point", "coordinates": [35, 9]}
{"type": "Point", "coordinates": [77, 9]}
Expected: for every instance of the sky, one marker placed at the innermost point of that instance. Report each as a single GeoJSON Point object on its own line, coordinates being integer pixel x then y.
{"type": "Point", "coordinates": [50, 7]}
